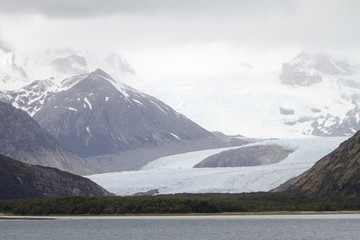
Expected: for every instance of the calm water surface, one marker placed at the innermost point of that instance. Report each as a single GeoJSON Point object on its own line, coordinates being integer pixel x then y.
{"type": "Point", "coordinates": [190, 227]}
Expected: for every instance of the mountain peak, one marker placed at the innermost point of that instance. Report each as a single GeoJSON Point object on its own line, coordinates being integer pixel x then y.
{"type": "Point", "coordinates": [102, 74]}
{"type": "Point", "coordinates": [309, 68]}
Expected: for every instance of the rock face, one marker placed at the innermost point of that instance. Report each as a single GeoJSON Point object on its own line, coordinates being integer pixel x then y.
{"type": "Point", "coordinates": [336, 126]}
{"type": "Point", "coordinates": [337, 174]}
{"type": "Point", "coordinates": [97, 115]}
{"type": "Point", "coordinates": [21, 180]}
{"type": "Point", "coordinates": [22, 138]}
{"type": "Point", "coordinates": [31, 97]}
{"type": "Point", "coordinates": [246, 156]}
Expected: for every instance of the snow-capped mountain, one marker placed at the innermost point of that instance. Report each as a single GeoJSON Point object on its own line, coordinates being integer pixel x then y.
{"type": "Point", "coordinates": [27, 80]}
{"type": "Point", "coordinates": [307, 69]}
{"type": "Point", "coordinates": [20, 68]}
{"type": "Point", "coordinates": [94, 115]}
{"type": "Point", "coordinates": [31, 97]}
{"type": "Point", "coordinates": [334, 86]}
{"type": "Point", "coordinates": [312, 95]}
{"type": "Point", "coordinates": [97, 115]}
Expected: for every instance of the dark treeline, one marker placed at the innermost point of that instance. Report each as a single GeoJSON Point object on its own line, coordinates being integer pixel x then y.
{"type": "Point", "coordinates": [178, 203]}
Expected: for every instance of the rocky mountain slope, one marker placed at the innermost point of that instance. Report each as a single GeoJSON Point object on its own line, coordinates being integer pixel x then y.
{"type": "Point", "coordinates": [94, 115]}
{"type": "Point", "coordinates": [21, 180]}
{"type": "Point", "coordinates": [337, 174]}
{"type": "Point", "coordinates": [22, 138]}
{"type": "Point", "coordinates": [246, 156]}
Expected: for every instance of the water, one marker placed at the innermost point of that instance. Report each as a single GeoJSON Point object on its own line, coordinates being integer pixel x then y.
{"type": "Point", "coordinates": [339, 226]}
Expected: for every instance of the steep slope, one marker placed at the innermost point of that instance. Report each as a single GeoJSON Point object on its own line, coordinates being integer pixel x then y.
{"type": "Point", "coordinates": [96, 115]}
{"type": "Point", "coordinates": [22, 138]}
{"type": "Point", "coordinates": [21, 180]}
{"type": "Point", "coordinates": [337, 174]}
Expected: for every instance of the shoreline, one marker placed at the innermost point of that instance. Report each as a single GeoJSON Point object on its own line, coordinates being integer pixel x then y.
{"type": "Point", "coordinates": [225, 215]}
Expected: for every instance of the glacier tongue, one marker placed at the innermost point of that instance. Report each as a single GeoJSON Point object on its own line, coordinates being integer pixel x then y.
{"type": "Point", "coordinates": [174, 174]}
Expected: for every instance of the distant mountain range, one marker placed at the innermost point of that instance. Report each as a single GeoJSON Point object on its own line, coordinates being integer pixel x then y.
{"type": "Point", "coordinates": [314, 94]}
{"type": "Point", "coordinates": [20, 180]}
{"type": "Point", "coordinates": [112, 125]}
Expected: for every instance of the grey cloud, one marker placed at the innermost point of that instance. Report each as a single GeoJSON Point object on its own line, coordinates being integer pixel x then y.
{"type": "Point", "coordinates": [255, 23]}
{"type": "Point", "coordinates": [86, 8]}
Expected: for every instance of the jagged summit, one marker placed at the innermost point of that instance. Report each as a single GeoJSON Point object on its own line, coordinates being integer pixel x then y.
{"type": "Point", "coordinates": [309, 68]}
{"type": "Point", "coordinates": [100, 73]}
{"type": "Point", "coordinates": [33, 96]}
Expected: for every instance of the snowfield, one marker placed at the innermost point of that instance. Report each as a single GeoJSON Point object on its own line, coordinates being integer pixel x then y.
{"type": "Point", "coordinates": [174, 174]}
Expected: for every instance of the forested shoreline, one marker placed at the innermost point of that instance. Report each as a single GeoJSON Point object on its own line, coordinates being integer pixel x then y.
{"type": "Point", "coordinates": [178, 204]}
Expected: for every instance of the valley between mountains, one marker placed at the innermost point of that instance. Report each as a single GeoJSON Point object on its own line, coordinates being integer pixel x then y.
{"type": "Point", "coordinates": [87, 121]}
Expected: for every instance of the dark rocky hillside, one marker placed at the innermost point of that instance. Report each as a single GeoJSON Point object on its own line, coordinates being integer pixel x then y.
{"type": "Point", "coordinates": [246, 156]}
{"type": "Point", "coordinates": [21, 180]}
{"type": "Point", "coordinates": [337, 174]}
{"type": "Point", "coordinates": [22, 138]}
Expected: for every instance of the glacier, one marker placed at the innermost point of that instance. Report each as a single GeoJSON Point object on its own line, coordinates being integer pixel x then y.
{"type": "Point", "coordinates": [175, 174]}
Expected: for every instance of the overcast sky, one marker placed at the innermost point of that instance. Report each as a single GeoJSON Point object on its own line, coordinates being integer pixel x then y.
{"type": "Point", "coordinates": [186, 35]}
